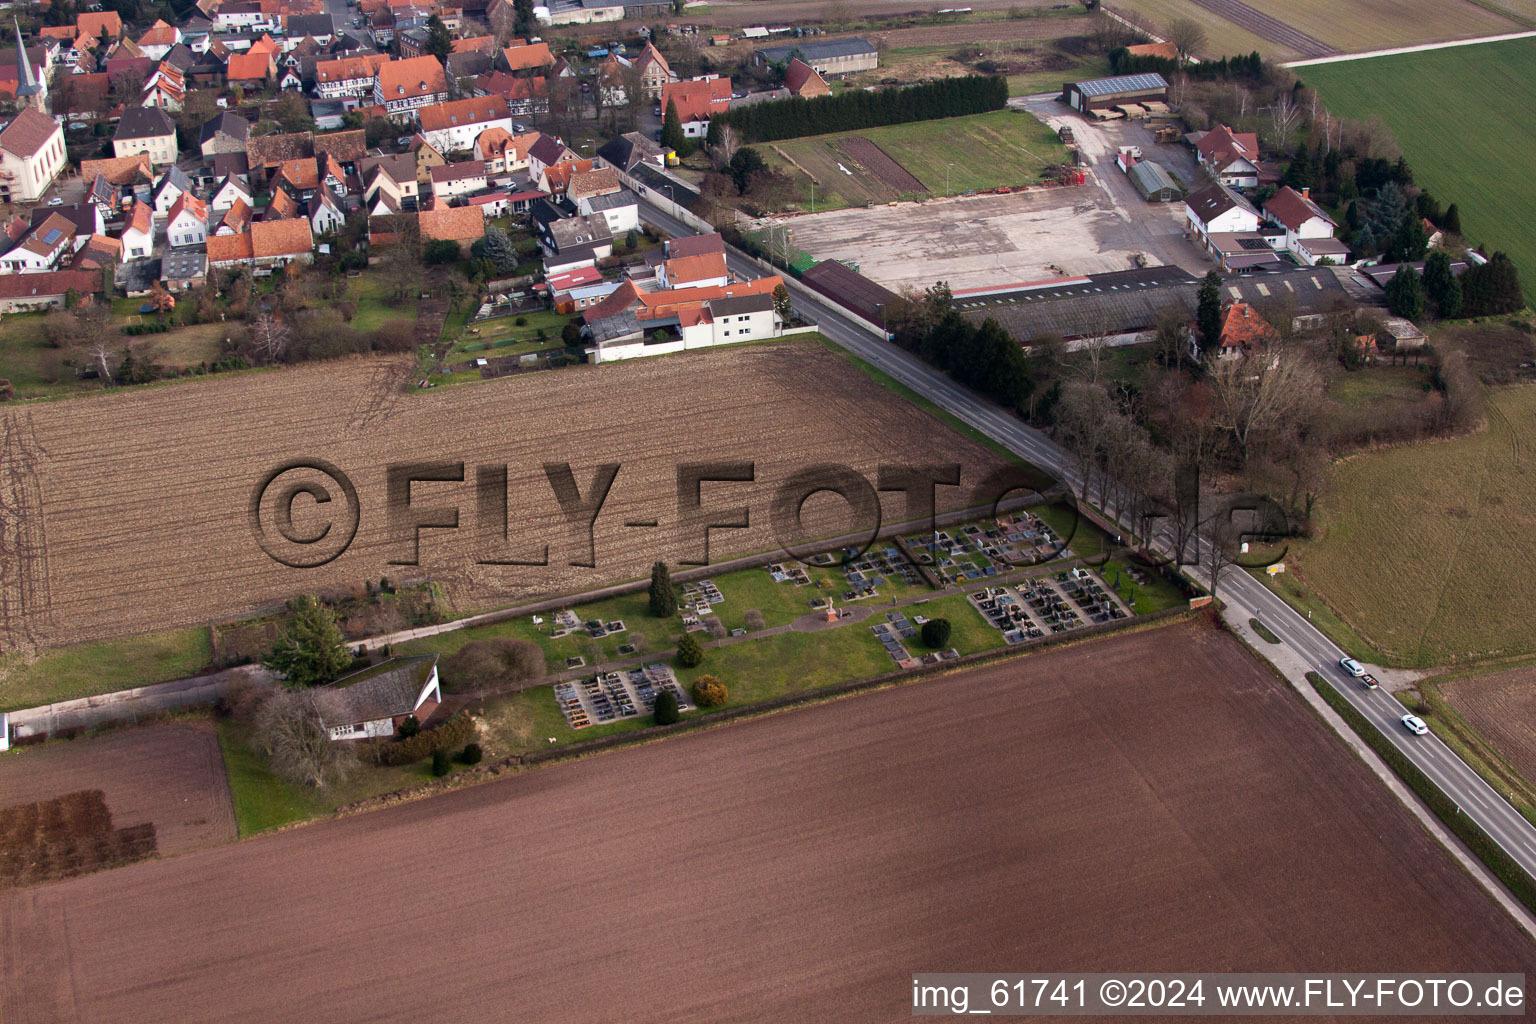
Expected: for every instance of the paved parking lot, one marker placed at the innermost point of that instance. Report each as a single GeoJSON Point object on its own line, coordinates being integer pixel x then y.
{"type": "Point", "coordinates": [997, 240]}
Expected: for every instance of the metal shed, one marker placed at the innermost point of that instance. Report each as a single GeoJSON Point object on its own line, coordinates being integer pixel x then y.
{"type": "Point", "coordinates": [1154, 183]}
{"type": "Point", "coordinates": [1103, 93]}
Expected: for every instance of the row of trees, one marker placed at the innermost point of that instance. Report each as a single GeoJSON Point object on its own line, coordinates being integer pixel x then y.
{"type": "Point", "coordinates": [1123, 62]}
{"type": "Point", "coordinates": [1487, 289]}
{"type": "Point", "coordinates": [984, 358]}
{"type": "Point", "coordinates": [857, 108]}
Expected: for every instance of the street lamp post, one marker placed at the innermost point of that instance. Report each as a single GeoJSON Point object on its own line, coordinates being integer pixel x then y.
{"type": "Point", "coordinates": [946, 176]}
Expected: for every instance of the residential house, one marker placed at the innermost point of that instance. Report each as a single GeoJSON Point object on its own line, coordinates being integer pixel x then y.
{"type": "Point", "coordinates": [612, 73]}
{"type": "Point", "coordinates": [299, 178]}
{"type": "Point", "coordinates": [267, 246]}
{"type": "Point", "coordinates": [620, 209]}
{"type": "Point", "coordinates": [1232, 158]}
{"type": "Point", "coordinates": [325, 214]}
{"type": "Point", "coordinates": [172, 184]}
{"type": "Point", "coordinates": [348, 79]}
{"type": "Point", "coordinates": [393, 177]}
{"type": "Point", "coordinates": [345, 148]}
{"type": "Point", "coordinates": [86, 218]}
{"type": "Point", "coordinates": [525, 96]}
{"type": "Point", "coordinates": [165, 89]}
{"type": "Point", "coordinates": [184, 269]}
{"type": "Point", "coordinates": [99, 252]}
{"type": "Point", "coordinates": [462, 224]}
{"type": "Point", "coordinates": [631, 323]}
{"type": "Point", "coordinates": [547, 151]}
{"type": "Point", "coordinates": [158, 39]}
{"type": "Point", "coordinates": [1216, 208]}
{"type": "Point", "coordinates": [802, 80]}
{"type": "Point", "coordinates": [575, 290]}
{"type": "Point", "coordinates": [319, 27]}
{"type": "Point", "coordinates": [584, 12]}
{"type": "Point", "coordinates": [597, 181]}
{"type": "Point", "coordinates": [1308, 228]}
{"type": "Point", "coordinates": [376, 701]}
{"type": "Point", "coordinates": [427, 157]}
{"type": "Point", "coordinates": [229, 191]}
{"type": "Point", "coordinates": [1243, 330]}
{"type": "Point", "coordinates": [404, 86]}
{"type": "Point", "coordinates": [503, 152]}
{"type": "Point", "coordinates": [704, 270]}
{"type": "Point", "coordinates": [265, 153]}
{"type": "Point", "coordinates": [458, 179]}
{"type": "Point", "coordinates": [31, 156]}
{"type": "Point", "coordinates": [557, 179]}
{"type": "Point", "coordinates": [99, 24]}
{"type": "Point", "coordinates": [697, 100]}
{"type": "Point", "coordinates": [452, 127]}
{"type": "Point", "coordinates": [631, 148]}
{"type": "Point", "coordinates": [138, 231]}
{"type": "Point", "coordinates": [188, 224]}
{"type": "Point", "coordinates": [654, 71]}
{"type": "Point", "coordinates": [43, 247]}
{"type": "Point", "coordinates": [146, 130]}
{"type": "Point", "coordinates": [252, 70]}
{"type": "Point", "coordinates": [133, 173]}
{"type": "Point", "coordinates": [226, 133]}
{"type": "Point", "coordinates": [587, 237]}
{"type": "Point", "coordinates": [527, 58]}
{"type": "Point", "coordinates": [22, 293]}
{"type": "Point", "coordinates": [281, 206]}
{"type": "Point", "coordinates": [236, 219]}
{"type": "Point", "coordinates": [102, 194]}
{"type": "Point", "coordinates": [244, 16]}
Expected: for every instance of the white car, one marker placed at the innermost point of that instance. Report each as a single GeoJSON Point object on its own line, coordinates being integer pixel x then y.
{"type": "Point", "coordinates": [1352, 666]}
{"type": "Point", "coordinates": [55, 201]}
{"type": "Point", "coordinates": [1415, 725]}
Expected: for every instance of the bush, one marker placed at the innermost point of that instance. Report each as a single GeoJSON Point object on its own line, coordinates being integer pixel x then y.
{"type": "Point", "coordinates": [471, 754]}
{"type": "Point", "coordinates": [521, 321]}
{"type": "Point", "coordinates": [485, 663]}
{"type": "Point", "coordinates": [1263, 631]}
{"type": "Point", "coordinates": [410, 727]}
{"type": "Point", "coordinates": [440, 251]}
{"type": "Point", "coordinates": [753, 619]}
{"type": "Point", "coordinates": [709, 692]}
{"type": "Point", "coordinates": [690, 653]}
{"type": "Point", "coordinates": [458, 729]}
{"type": "Point", "coordinates": [440, 763]}
{"type": "Point", "coordinates": [936, 633]}
{"type": "Point", "coordinates": [666, 708]}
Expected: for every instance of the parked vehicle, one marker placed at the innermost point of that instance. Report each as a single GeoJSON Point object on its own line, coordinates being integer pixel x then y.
{"type": "Point", "coordinates": [1352, 666]}
{"type": "Point", "coordinates": [1415, 725]}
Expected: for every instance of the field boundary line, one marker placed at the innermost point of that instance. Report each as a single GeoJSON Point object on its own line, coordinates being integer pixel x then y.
{"type": "Point", "coordinates": [1393, 51]}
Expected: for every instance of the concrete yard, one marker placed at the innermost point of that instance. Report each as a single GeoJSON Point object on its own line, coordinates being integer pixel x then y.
{"type": "Point", "coordinates": [981, 241]}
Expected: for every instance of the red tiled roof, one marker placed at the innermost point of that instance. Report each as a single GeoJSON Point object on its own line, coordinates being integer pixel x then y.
{"type": "Point", "coordinates": [502, 84]}
{"type": "Point", "coordinates": [597, 182]}
{"type": "Point", "coordinates": [1293, 209]}
{"type": "Point", "coordinates": [238, 216]}
{"type": "Point", "coordinates": [415, 76]}
{"type": "Point", "coordinates": [282, 207]}
{"type": "Point", "coordinates": [348, 69]}
{"type": "Point", "coordinates": [802, 80]}
{"type": "Point", "coordinates": [28, 132]}
{"type": "Point", "coordinates": [682, 270]}
{"type": "Point", "coordinates": [190, 203]}
{"type": "Point", "coordinates": [92, 22]}
{"type": "Point", "coordinates": [225, 248]}
{"type": "Point", "coordinates": [250, 67]}
{"type": "Point", "coordinates": [301, 174]}
{"type": "Point", "coordinates": [473, 44]}
{"type": "Point", "coordinates": [696, 245]}
{"type": "Point", "coordinates": [159, 34]}
{"type": "Point", "coordinates": [281, 238]}
{"type": "Point", "coordinates": [1221, 146]}
{"type": "Point", "coordinates": [139, 218]}
{"type": "Point", "coordinates": [118, 170]}
{"type": "Point", "coordinates": [523, 58]}
{"type": "Point", "coordinates": [1242, 327]}
{"type": "Point", "coordinates": [458, 172]}
{"type": "Point", "coordinates": [457, 113]}
{"type": "Point", "coordinates": [557, 177]}
{"type": "Point", "coordinates": [56, 282]}
{"type": "Point", "coordinates": [347, 147]}
{"type": "Point", "coordinates": [697, 101]}
{"type": "Point", "coordinates": [452, 223]}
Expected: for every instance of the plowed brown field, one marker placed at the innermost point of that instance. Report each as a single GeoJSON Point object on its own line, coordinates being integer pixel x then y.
{"type": "Point", "coordinates": [131, 512]}
{"type": "Point", "coordinates": [1502, 707]}
{"type": "Point", "coordinates": [168, 776]}
{"type": "Point", "coordinates": [1150, 802]}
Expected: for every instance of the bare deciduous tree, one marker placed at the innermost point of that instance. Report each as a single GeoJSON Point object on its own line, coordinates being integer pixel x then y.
{"type": "Point", "coordinates": [728, 140]}
{"type": "Point", "coordinates": [1262, 392]}
{"type": "Point", "coordinates": [269, 338]}
{"type": "Point", "coordinates": [1188, 36]}
{"type": "Point", "coordinates": [1284, 116]}
{"type": "Point", "coordinates": [291, 733]}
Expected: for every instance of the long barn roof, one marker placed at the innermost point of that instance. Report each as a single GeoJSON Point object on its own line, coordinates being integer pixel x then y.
{"type": "Point", "coordinates": [1121, 83]}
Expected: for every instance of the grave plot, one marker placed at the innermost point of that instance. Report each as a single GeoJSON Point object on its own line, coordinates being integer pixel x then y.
{"type": "Point", "coordinates": [865, 574]}
{"type": "Point", "coordinates": [973, 551]}
{"type": "Point", "coordinates": [617, 696]}
{"type": "Point", "coordinates": [1041, 606]}
{"type": "Point", "coordinates": [698, 600]}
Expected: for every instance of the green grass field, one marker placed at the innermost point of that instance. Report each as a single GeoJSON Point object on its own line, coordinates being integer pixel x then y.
{"type": "Point", "coordinates": [1462, 118]}
{"type": "Point", "coordinates": [85, 669]}
{"type": "Point", "coordinates": [1425, 551]}
{"type": "Point", "coordinates": [949, 156]}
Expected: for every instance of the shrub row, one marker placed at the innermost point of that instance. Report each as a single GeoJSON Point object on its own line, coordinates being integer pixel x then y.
{"type": "Point", "coordinates": [458, 729]}
{"type": "Point", "coordinates": [858, 108]}
{"type": "Point", "coordinates": [1478, 841]}
{"type": "Point", "coordinates": [154, 328]}
{"type": "Point", "coordinates": [1263, 631]}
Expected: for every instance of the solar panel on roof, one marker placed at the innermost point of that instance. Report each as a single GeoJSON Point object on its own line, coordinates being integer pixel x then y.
{"type": "Point", "coordinates": [52, 236]}
{"type": "Point", "coordinates": [1121, 83]}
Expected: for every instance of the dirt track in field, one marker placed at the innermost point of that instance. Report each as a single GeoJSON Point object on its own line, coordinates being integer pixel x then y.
{"type": "Point", "coordinates": [881, 164]}
{"type": "Point", "coordinates": [171, 776]}
{"type": "Point", "coordinates": [1151, 801]}
{"type": "Point", "coordinates": [1267, 27]}
{"type": "Point", "coordinates": [147, 492]}
{"type": "Point", "coordinates": [1502, 707]}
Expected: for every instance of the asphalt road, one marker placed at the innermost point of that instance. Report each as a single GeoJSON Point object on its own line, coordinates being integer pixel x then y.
{"type": "Point", "coordinates": [1248, 597]}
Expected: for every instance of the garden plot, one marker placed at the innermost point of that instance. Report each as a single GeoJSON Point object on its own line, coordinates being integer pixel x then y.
{"type": "Point", "coordinates": [616, 696]}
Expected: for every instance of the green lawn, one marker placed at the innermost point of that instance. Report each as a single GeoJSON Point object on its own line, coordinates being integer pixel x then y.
{"type": "Point", "coordinates": [263, 801]}
{"type": "Point", "coordinates": [503, 336]}
{"type": "Point", "coordinates": [369, 292]}
{"type": "Point", "coordinates": [1031, 82]}
{"type": "Point", "coordinates": [85, 669]}
{"type": "Point", "coordinates": [969, 632]}
{"type": "Point", "coordinates": [1462, 118]}
{"type": "Point", "coordinates": [948, 156]}
{"type": "Point", "coordinates": [1156, 595]}
{"type": "Point", "coordinates": [1379, 384]}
